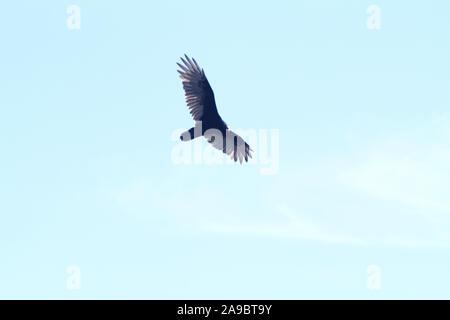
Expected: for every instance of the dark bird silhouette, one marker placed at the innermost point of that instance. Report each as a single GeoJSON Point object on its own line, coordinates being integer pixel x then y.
{"type": "Point", "coordinates": [208, 123]}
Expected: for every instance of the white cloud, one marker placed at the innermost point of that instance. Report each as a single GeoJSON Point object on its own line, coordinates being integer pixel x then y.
{"type": "Point", "coordinates": [415, 174]}
{"type": "Point", "coordinates": [393, 193]}
{"type": "Point", "coordinates": [295, 226]}
{"type": "Point", "coordinates": [289, 226]}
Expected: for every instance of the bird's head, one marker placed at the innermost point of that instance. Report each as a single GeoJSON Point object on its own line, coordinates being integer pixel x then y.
{"type": "Point", "coordinates": [185, 136]}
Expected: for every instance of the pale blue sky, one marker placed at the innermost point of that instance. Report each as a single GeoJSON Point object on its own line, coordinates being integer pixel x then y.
{"type": "Point", "coordinates": [87, 177]}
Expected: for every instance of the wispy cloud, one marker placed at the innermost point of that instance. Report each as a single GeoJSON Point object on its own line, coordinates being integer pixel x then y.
{"type": "Point", "coordinates": [417, 174]}
{"type": "Point", "coordinates": [294, 226]}
{"type": "Point", "coordinates": [392, 193]}
{"type": "Point", "coordinates": [288, 225]}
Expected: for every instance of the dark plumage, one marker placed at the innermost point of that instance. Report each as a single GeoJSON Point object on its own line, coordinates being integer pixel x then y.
{"type": "Point", "coordinates": [208, 123]}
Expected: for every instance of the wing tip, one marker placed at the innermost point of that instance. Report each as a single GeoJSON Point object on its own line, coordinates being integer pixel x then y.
{"type": "Point", "coordinates": [192, 65]}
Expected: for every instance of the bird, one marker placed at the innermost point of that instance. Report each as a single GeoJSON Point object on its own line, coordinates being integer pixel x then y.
{"type": "Point", "coordinates": [208, 123]}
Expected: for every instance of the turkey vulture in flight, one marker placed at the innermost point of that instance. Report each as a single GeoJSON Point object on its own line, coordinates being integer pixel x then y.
{"type": "Point", "coordinates": [208, 123]}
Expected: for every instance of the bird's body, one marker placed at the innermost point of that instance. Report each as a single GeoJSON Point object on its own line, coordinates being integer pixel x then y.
{"type": "Point", "coordinates": [208, 123]}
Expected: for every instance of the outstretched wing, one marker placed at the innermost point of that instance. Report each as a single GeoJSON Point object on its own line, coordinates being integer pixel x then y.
{"type": "Point", "coordinates": [232, 144]}
{"type": "Point", "coordinates": [199, 95]}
